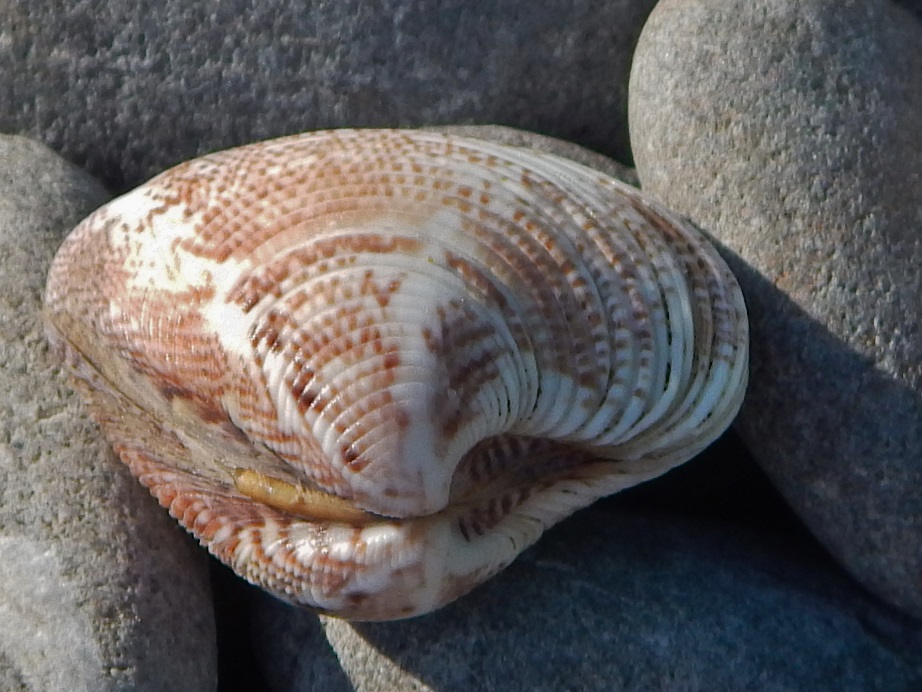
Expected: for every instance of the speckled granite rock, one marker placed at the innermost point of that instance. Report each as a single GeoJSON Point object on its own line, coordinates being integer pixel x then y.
{"type": "Point", "coordinates": [640, 602]}
{"type": "Point", "coordinates": [99, 590]}
{"type": "Point", "coordinates": [128, 90]}
{"type": "Point", "coordinates": [790, 131]}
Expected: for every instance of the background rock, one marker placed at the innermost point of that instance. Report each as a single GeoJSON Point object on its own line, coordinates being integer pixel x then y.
{"type": "Point", "coordinates": [789, 130]}
{"type": "Point", "coordinates": [99, 589]}
{"type": "Point", "coordinates": [616, 600]}
{"type": "Point", "coordinates": [913, 5]}
{"type": "Point", "coordinates": [127, 91]}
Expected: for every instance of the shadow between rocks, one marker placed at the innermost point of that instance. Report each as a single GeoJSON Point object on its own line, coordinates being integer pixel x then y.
{"type": "Point", "coordinates": [723, 483]}
{"type": "Point", "coordinates": [617, 599]}
{"type": "Point", "coordinates": [838, 436]}
{"type": "Point", "coordinates": [245, 665]}
{"type": "Point", "coordinates": [914, 6]}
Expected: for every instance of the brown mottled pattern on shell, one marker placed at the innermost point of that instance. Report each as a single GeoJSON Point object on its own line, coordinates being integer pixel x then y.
{"type": "Point", "coordinates": [317, 308]}
{"type": "Point", "coordinates": [252, 539]}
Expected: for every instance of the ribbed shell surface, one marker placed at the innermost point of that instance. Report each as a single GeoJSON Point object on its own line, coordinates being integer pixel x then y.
{"type": "Point", "coordinates": [463, 341]}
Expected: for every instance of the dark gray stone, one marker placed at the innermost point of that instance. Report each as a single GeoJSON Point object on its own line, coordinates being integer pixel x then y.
{"type": "Point", "coordinates": [99, 589]}
{"type": "Point", "coordinates": [790, 131]}
{"type": "Point", "coordinates": [126, 90]}
{"type": "Point", "coordinates": [913, 5]}
{"type": "Point", "coordinates": [614, 600]}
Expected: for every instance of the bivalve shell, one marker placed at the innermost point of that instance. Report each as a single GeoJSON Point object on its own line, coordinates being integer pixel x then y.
{"type": "Point", "coordinates": [367, 368]}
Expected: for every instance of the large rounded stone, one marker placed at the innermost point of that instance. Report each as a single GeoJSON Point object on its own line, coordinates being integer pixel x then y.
{"type": "Point", "coordinates": [99, 589]}
{"type": "Point", "coordinates": [790, 131]}
{"type": "Point", "coordinates": [640, 602]}
{"type": "Point", "coordinates": [127, 89]}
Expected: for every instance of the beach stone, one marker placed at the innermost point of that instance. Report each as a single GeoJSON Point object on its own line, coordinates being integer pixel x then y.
{"type": "Point", "coordinates": [789, 131]}
{"type": "Point", "coordinates": [99, 589]}
{"type": "Point", "coordinates": [642, 601]}
{"type": "Point", "coordinates": [126, 91]}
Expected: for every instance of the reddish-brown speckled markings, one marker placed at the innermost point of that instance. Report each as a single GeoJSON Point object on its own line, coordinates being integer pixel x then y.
{"type": "Point", "coordinates": [188, 365]}
{"type": "Point", "coordinates": [306, 194]}
{"type": "Point", "coordinates": [467, 368]}
{"type": "Point", "coordinates": [489, 482]}
{"type": "Point", "coordinates": [352, 336]}
{"type": "Point", "coordinates": [244, 534]}
{"type": "Point", "coordinates": [278, 332]}
{"type": "Point", "coordinates": [313, 257]}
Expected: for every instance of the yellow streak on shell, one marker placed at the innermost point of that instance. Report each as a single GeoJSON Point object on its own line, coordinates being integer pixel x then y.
{"type": "Point", "coordinates": [299, 500]}
{"type": "Point", "coordinates": [453, 344]}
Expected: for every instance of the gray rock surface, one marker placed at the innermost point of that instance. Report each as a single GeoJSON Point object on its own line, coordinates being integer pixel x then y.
{"type": "Point", "coordinates": [127, 90]}
{"type": "Point", "coordinates": [790, 131]}
{"type": "Point", "coordinates": [618, 600]}
{"type": "Point", "coordinates": [99, 589]}
{"type": "Point", "coordinates": [913, 5]}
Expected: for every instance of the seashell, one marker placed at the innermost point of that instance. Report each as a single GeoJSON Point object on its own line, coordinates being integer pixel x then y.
{"type": "Point", "coordinates": [367, 368]}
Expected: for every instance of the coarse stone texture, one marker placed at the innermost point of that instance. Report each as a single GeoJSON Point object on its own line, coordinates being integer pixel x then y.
{"type": "Point", "coordinates": [99, 589]}
{"type": "Point", "coordinates": [127, 89]}
{"type": "Point", "coordinates": [789, 130]}
{"type": "Point", "coordinates": [641, 601]}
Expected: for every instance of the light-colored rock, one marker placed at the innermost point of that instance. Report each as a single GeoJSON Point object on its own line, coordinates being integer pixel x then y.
{"type": "Point", "coordinates": [128, 90]}
{"type": "Point", "coordinates": [99, 589]}
{"type": "Point", "coordinates": [789, 130]}
{"type": "Point", "coordinates": [615, 600]}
